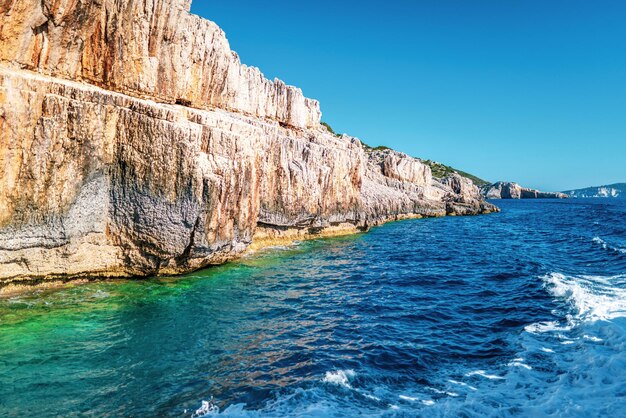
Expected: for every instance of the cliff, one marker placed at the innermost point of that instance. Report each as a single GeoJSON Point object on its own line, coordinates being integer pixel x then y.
{"type": "Point", "coordinates": [507, 190]}
{"type": "Point", "coordinates": [133, 143]}
{"type": "Point", "coordinates": [151, 49]}
{"type": "Point", "coordinates": [611, 190]}
{"type": "Point", "coordinates": [441, 170]}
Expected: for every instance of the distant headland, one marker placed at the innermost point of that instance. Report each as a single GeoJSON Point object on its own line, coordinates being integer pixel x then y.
{"type": "Point", "coordinates": [611, 190]}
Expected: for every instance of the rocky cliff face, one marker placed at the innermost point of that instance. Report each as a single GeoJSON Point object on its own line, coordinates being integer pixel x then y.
{"type": "Point", "coordinates": [507, 190]}
{"type": "Point", "coordinates": [153, 49]}
{"type": "Point", "coordinates": [134, 143]}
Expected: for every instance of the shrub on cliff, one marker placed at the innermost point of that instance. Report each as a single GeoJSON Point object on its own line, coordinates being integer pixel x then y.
{"type": "Point", "coordinates": [440, 171]}
{"type": "Point", "coordinates": [330, 129]}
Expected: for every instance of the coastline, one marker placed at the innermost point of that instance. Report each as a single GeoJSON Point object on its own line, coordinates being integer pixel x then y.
{"type": "Point", "coordinates": [270, 236]}
{"type": "Point", "coordinates": [264, 237]}
{"type": "Point", "coordinates": [137, 171]}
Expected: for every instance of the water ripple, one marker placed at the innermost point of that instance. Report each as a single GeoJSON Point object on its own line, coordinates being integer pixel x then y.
{"type": "Point", "coordinates": [516, 314]}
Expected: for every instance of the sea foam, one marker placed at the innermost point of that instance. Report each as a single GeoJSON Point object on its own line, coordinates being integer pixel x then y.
{"type": "Point", "coordinates": [206, 409]}
{"type": "Point", "coordinates": [484, 374]}
{"type": "Point", "coordinates": [592, 298]}
{"type": "Point", "coordinates": [548, 326]}
{"type": "Point", "coordinates": [340, 378]}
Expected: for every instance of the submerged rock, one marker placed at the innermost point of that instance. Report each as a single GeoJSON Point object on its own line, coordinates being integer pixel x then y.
{"type": "Point", "coordinates": [134, 143]}
{"type": "Point", "coordinates": [508, 190]}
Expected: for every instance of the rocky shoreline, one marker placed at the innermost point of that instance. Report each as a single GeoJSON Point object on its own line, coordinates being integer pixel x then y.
{"type": "Point", "coordinates": [133, 143]}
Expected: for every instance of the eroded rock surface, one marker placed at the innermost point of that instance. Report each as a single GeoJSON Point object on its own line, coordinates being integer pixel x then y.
{"type": "Point", "coordinates": [134, 143]}
{"type": "Point", "coordinates": [151, 49]}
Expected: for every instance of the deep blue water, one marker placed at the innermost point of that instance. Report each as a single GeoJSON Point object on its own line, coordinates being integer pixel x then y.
{"type": "Point", "coordinates": [521, 313]}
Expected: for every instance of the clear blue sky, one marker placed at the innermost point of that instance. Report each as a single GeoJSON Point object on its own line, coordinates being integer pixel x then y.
{"type": "Point", "coordinates": [532, 91]}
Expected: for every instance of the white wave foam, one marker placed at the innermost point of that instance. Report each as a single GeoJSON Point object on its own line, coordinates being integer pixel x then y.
{"type": "Point", "coordinates": [484, 374]}
{"type": "Point", "coordinates": [564, 338]}
{"type": "Point", "coordinates": [340, 378]}
{"type": "Point", "coordinates": [592, 298]}
{"type": "Point", "coordinates": [592, 338]}
{"type": "Point", "coordinates": [600, 242]}
{"type": "Point", "coordinates": [547, 350]}
{"type": "Point", "coordinates": [440, 392]}
{"type": "Point", "coordinates": [443, 392]}
{"type": "Point", "coordinates": [207, 408]}
{"type": "Point", "coordinates": [605, 245]}
{"type": "Point", "coordinates": [428, 402]}
{"type": "Point", "coordinates": [408, 398]}
{"type": "Point", "coordinates": [455, 382]}
{"type": "Point", "coordinates": [519, 363]}
{"type": "Point", "coordinates": [549, 326]}
{"type": "Point", "coordinates": [372, 397]}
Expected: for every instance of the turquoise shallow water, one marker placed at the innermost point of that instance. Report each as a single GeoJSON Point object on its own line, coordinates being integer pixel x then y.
{"type": "Point", "coordinates": [514, 314]}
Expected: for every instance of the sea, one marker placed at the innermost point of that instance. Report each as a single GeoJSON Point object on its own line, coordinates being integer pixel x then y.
{"type": "Point", "coordinates": [520, 313]}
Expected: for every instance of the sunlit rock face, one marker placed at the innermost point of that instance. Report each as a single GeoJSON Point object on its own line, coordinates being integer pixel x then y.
{"type": "Point", "coordinates": [150, 49]}
{"type": "Point", "coordinates": [508, 190]}
{"type": "Point", "coordinates": [134, 143]}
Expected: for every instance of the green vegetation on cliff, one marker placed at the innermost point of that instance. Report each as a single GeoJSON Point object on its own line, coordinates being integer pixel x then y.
{"type": "Point", "coordinates": [329, 128]}
{"type": "Point", "coordinates": [440, 171]}
{"type": "Point", "coordinates": [378, 148]}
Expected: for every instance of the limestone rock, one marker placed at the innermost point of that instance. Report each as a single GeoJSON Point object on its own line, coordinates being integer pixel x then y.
{"type": "Point", "coordinates": [150, 49]}
{"type": "Point", "coordinates": [134, 143]}
{"type": "Point", "coordinates": [508, 190]}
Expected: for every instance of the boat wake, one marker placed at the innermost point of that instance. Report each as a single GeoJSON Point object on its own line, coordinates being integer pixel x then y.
{"type": "Point", "coordinates": [591, 298]}
{"type": "Point", "coordinates": [587, 300]}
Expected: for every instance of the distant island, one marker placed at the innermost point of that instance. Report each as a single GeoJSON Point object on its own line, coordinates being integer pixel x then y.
{"type": "Point", "coordinates": [611, 190]}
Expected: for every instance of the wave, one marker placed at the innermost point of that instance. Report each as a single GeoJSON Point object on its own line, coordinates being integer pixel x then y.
{"type": "Point", "coordinates": [605, 245]}
{"type": "Point", "coordinates": [548, 326]}
{"type": "Point", "coordinates": [484, 374]}
{"type": "Point", "coordinates": [340, 378]}
{"type": "Point", "coordinates": [207, 408]}
{"type": "Point", "coordinates": [592, 298]}
{"type": "Point", "coordinates": [519, 362]}
{"type": "Point", "coordinates": [321, 400]}
{"type": "Point", "coordinates": [456, 382]}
